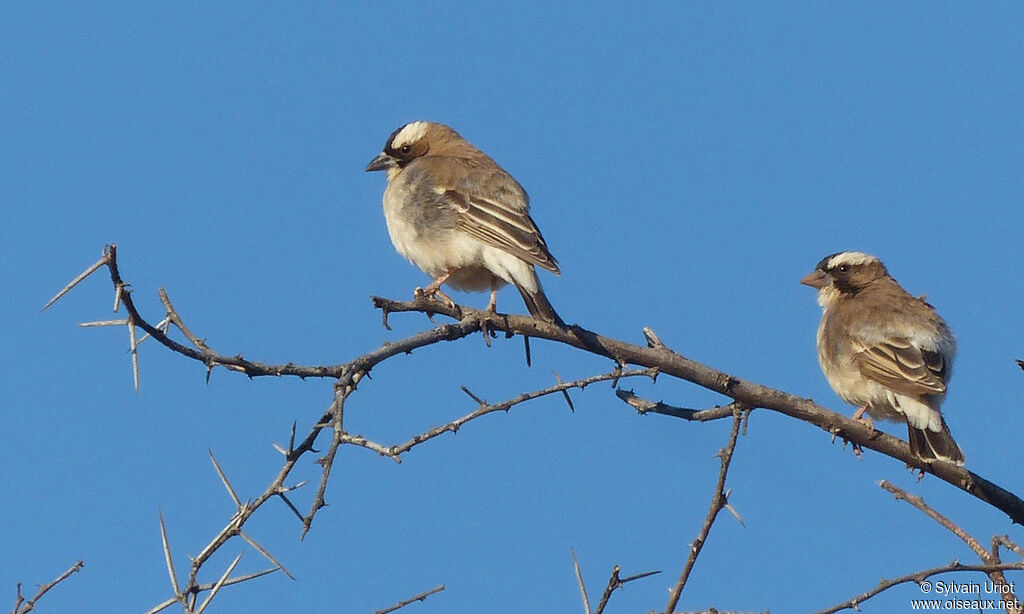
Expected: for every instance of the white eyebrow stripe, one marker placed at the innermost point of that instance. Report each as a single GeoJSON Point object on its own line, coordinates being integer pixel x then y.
{"type": "Point", "coordinates": [851, 259]}
{"type": "Point", "coordinates": [410, 133]}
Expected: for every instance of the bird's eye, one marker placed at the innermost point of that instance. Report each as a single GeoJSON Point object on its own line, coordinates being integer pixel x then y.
{"type": "Point", "coordinates": [843, 268]}
{"type": "Point", "coordinates": [406, 149]}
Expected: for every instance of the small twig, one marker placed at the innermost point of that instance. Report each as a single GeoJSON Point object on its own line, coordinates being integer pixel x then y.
{"type": "Point", "coordinates": [487, 408]}
{"type": "Point", "coordinates": [951, 526]}
{"type": "Point", "coordinates": [336, 416]}
{"type": "Point", "coordinates": [174, 318]}
{"type": "Point", "coordinates": [421, 597]}
{"type": "Point", "coordinates": [614, 583]}
{"type": "Point", "coordinates": [579, 581]}
{"type": "Point", "coordinates": [718, 501]}
{"type": "Point", "coordinates": [987, 557]}
{"type": "Point", "coordinates": [653, 340]}
{"type": "Point", "coordinates": [362, 442]}
{"type": "Point", "coordinates": [1006, 542]}
{"type": "Point", "coordinates": [918, 577]}
{"type": "Point", "coordinates": [31, 603]}
{"type": "Point", "coordinates": [643, 406]}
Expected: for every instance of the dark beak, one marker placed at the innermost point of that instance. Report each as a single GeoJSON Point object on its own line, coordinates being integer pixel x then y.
{"type": "Point", "coordinates": [815, 279]}
{"type": "Point", "coordinates": [381, 163]}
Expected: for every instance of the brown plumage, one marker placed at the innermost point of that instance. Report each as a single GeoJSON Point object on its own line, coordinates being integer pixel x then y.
{"type": "Point", "coordinates": [884, 350]}
{"type": "Point", "coordinates": [461, 218]}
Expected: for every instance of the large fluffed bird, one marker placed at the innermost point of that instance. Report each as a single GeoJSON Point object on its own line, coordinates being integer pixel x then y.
{"type": "Point", "coordinates": [460, 217]}
{"type": "Point", "coordinates": [885, 351]}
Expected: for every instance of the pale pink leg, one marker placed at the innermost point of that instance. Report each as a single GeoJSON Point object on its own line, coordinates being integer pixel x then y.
{"type": "Point", "coordinates": [859, 416]}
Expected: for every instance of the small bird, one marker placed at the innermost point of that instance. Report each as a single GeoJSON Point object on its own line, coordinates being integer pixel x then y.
{"type": "Point", "coordinates": [884, 350]}
{"type": "Point", "coordinates": [456, 214]}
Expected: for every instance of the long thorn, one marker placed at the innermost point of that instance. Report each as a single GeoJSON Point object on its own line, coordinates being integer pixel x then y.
{"type": "Point", "coordinates": [579, 580]}
{"type": "Point", "coordinates": [135, 353]}
{"type": "Point", "coordinates": [267, 555]}
{"type": "Point", "coordinates": [224, 480]}
{"type": "Point", "coordinates": [167, 556]}
{"type": "Point", "coordinates": [74, 282]}
{"type": "Point", "coordinates": [220, 583]}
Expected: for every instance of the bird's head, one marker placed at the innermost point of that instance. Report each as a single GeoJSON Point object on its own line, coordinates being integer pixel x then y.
{"type": "Point", "coordinates": [414, 140]}
{"type": "Point", "coordinates": [843, 274]}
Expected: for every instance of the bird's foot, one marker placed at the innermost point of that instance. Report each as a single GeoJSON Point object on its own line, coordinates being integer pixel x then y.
{"type": "Point", "coordinates": [866, 420]}
{"type": "Point", "coordinates": [433, 293]}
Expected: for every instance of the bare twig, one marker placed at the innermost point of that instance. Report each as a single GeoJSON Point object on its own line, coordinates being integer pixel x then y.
{"type": "Point", "coordinates": [718, 500]}
{"type": "Point", "coordinates": [917, 577]}
{"type": "Point", "coordinates": [21, 606]}
{"type": "Point", "coordinates": [487, 408]}
{"type": "Point", "coordinates": [951, 526]}
{"type": "Point", "coordinates": [987, 557]}
{"type": "Point", "coordinates": [421, 597]}
{"type": "Point", "coordinates": [653, 340]}
{"type": "Point", "coordinates": [615, 583]}
{"type": "Point", "coordinates": [1006, 542]}
{"type": "Point", "coordinates": [643, 406]}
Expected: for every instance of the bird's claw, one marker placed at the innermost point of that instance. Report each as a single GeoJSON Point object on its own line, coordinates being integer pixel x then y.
{"type": "Point", "coordinates": [433, 293]}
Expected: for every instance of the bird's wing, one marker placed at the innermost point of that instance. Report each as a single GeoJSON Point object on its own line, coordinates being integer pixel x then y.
{"type": "Point", "coordinates": [902, 366]}
{"type": "Point", "coordinates": [494, 208]}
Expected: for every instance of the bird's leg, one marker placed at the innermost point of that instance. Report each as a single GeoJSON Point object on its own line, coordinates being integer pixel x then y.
{"type": "Point", "coordinates": [860, 417]}
{"type": "Point", "coordinates": [491, 308]}
{"type": "Point", "coordinates": [492, 305]}
{"type": "Point", "coordinates": [434, 289]}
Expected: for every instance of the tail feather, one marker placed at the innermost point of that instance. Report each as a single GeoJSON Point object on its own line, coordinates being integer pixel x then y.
{"type": "Point", "coordinates": [539, 306]}
{"type": "Point", "coordinates": [931, 445]}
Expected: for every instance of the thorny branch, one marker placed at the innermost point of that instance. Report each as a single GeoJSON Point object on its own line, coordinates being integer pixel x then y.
{"type": "Point", "coordinates": [655, 358]}
{"type": "Point", "coordinates": [739, 390]}
{"type": "Point", "coordinates": [991, 563]}
{"type": "Point", "coordinates": [987, 557]}
{"type": "Point", "coordinates": [917, 578]}
{"type": "Point", "coordinates": [21, 606]}
{"type": "Point", "coordinates": [614, 583]}
{"type": "Point", "coordinates": [347, 375]}
{"type": "Point", "coordinates": [719, 500]}
{"type": "Point", "coordinates": [421, 597]}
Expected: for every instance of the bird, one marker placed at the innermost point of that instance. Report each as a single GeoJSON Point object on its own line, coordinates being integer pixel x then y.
{"type": "Point", "coordinates": [461, 218]}
{"type": "Point", "coordinates": [885, 351]}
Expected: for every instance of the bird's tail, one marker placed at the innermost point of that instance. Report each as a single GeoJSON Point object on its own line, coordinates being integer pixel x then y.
{"type": "Point", "coordinates": [929, 445]}
{"type": "Point", "coordinates": [539, 306]}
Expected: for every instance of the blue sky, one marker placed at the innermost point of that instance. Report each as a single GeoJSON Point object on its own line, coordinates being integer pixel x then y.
{"type": "Point", "coordinates": [687, 163]}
